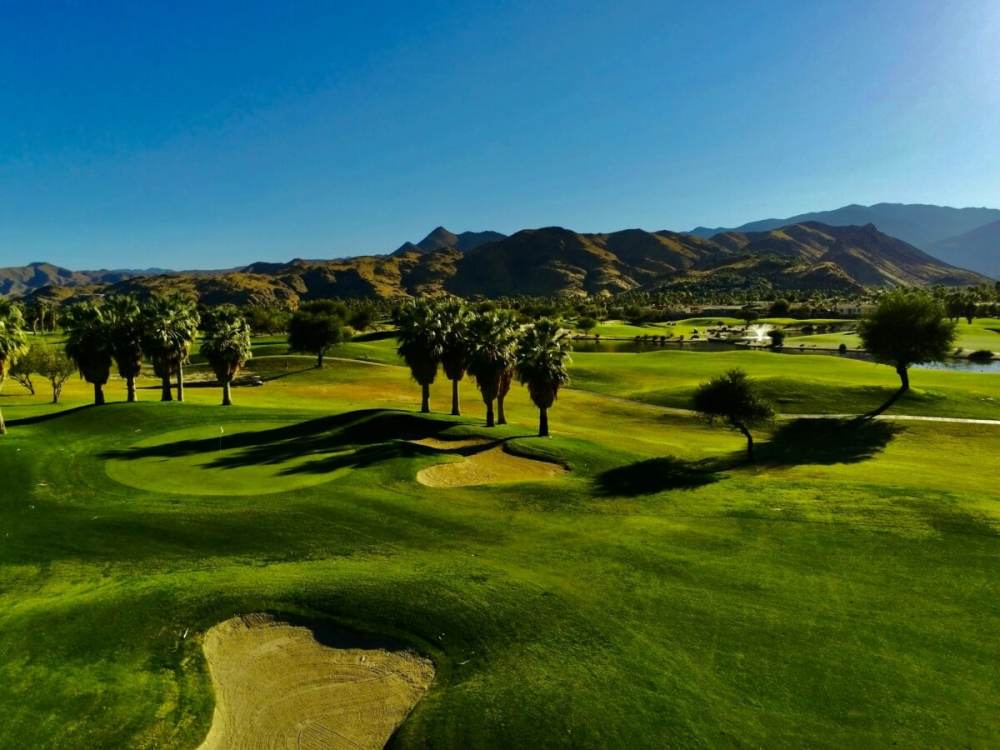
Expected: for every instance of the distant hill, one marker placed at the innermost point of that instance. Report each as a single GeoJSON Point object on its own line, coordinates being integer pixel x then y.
{"type": "Point", "coordinates": [441, 238]}
{"type": "Point", "coordinates": [549, 261]}
{"type": "Point", "coordinates": [924, 226]}
{"type": "Point", "coordinates": [20, 280]}
{"type": "Point", "coordinates": [978, 248]}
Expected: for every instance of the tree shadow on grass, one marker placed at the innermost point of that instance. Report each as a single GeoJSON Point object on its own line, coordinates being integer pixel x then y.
{"type": "Point", "coordinates": [657, 475]}
{"type": "Point", "coordinates": [354, 439]}
{"type": "Point", "coordinates": [826, 441]}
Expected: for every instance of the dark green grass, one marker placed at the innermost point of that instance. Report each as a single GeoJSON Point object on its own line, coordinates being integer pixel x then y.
{"type": "Point", "coordinates": [842, 592]}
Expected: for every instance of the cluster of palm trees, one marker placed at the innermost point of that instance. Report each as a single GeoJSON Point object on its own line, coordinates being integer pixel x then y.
{"type": "Point", "coordinates": [491, 346]}
{"type": "Point", "coordinates": [124, 332]}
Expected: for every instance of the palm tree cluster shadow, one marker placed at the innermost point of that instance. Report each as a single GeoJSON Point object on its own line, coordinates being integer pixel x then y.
{"type": "Point", "coordinates": [354, 439]}
{"type": "Point", "coordinates": [826, 441]}
{"type": "Point", "coordinates": [658, 475]}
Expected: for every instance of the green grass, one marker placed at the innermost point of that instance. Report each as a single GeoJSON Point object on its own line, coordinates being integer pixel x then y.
{"type": "Point", "coordinates": [843, 592]}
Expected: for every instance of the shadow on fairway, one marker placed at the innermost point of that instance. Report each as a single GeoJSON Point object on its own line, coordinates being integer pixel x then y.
{"type": "Point", "coordinates": [657, 475]}
{"type": "Point", "coordinates": [826, 441]}
{"type": "Point", "coordinates": [354, 439]}
{"type": "Point", "coordinates": [38, 419]}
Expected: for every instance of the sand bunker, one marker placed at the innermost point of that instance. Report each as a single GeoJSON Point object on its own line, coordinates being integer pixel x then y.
{"type": "Point", "coordinates": [277, 688]}
{"type": "Point", "coordinates": [450, 445]}
{"type": "Point", "coordinates": [492, 466]}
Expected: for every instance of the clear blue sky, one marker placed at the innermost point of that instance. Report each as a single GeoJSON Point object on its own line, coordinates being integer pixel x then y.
{"type": "Point", "coordinates": [210, 134]}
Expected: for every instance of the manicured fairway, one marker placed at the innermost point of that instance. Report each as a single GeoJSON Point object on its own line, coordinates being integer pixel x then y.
{"type": "Point", "coordinates": [843, 592]}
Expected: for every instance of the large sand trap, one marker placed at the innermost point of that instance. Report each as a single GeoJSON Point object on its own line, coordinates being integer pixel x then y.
{"type": "Point", "coordinates": [492, 466]}
{"type": "Point", "coordinates": [277, 688]}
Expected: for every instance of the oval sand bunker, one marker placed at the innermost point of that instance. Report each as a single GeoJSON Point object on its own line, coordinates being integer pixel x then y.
{"type": "Point", "coordinates": [276, 687]}
{"type": "Point", "coordinates": [491, 466]}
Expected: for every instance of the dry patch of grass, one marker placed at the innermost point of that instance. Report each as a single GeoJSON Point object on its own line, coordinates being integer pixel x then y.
{"type": "Point", "coordinates": [277, 687]}
{"type": "Point", "coordinates": [490, 466]}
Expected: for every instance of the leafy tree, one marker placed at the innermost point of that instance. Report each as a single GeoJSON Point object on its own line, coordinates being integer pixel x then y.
{"type": "Point", "coordinates": [906, 328]}
{"type": "Point", "coordinates": [126, 327]}
{"type": "Point", "coordinates": [542, 358]}
{"type": "Point", "coordinates": [26, 365]}
{"type": "Point", "coordinates": [777, 337]}
{"type": "Point", "coordinates": [735, 400]}
{"type": "Point", "coordinates": [170, 325]}
{"type": "Point", "coordinates": [13, 342]}
{"type": "Point", "coordinates": [586, 323]}
{"type": "Point", "coordinates": [316, 326]}
{"type": "Point", "coordinates": [749, 314]}
{"type": "Point", "coordinates": [455, 317]}
{"type": "Point", "coordinates": [362, 318]}
{"type": "Point", "coordinates": [493, 338]}
{"type": "Point", "coordinates": [779, 308]}
{"type": "Point", "coordinates": [88, 344]}
{"type": "Point", "coordinates": [421, 335]}
{"type": "Point", "coordinates": [57, 369]}
{"type": "Point", "coordinates": [226, 346]}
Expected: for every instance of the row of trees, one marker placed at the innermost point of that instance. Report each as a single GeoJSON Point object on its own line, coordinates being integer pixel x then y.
{"type": "Point", "coordinates": [123, 332]}
{"type": "Point", "coordinates": [491, 346]}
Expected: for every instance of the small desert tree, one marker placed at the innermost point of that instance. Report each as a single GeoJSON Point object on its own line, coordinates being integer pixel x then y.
{"type": "Point", "coordinates": [777, 337]}
{"type": "Point", "coordinates": [57, 368]}
{"type": "Point", "coordinates": [316, 326]}
{"type": "Point", "coordinates": [542, 357]}
{"type": "Point", "coordinates": [27, 365]}
{"type": "Point", "coordinates": [13, 342]}
{"type": "Point", "coordinates": [226, 346]}
{"type": "Point", "coordinates": [421, 336]}
{"type": "Point", "coordinates": [493, 338]}
{"type": "Point", "coordinates": [88, 344]}
{"type": "Point", "coordinates": [734, 399]}
{"type": "Point", "coordinates": [906, 328]}
{"type": "Point", "coordinates": [455, 317]}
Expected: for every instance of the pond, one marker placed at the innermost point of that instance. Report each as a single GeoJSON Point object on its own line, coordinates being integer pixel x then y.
{"type": "Point", "coordinates": [631, 346]}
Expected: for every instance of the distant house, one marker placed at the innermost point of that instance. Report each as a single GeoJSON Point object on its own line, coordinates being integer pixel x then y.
{"type": "Point", "coordinates": [852, 309]}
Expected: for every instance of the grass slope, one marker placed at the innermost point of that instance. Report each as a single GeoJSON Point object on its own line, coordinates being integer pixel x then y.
{"type": "Point", "coordinates": [841, 593]}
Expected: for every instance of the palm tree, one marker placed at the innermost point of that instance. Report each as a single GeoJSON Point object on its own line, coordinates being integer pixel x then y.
{"type": "Point", "coordinates": [88, 344]}
{"type": "Point", "coordinates": [170, 325]}
{"type": "Point", "coordinates": [455, 355]}
{"type": "Point", "coordinates": [226, 346]}
{"type": "Point", "coordinates": [493, 337]}
{"type": "Point", "coordinates": [542, 357]}
{"type": "Point", "coordinates": [505, 381]}
{"type": "Point", "coordinates": [13, 342]}
{"type": "Point", "coordinates": [125, 323]}
{"type": "Point", "coordinates": [421, 337]}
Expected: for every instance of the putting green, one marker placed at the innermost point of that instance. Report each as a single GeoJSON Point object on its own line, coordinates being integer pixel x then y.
{"type": "Point", "coordinates": [231, 458]}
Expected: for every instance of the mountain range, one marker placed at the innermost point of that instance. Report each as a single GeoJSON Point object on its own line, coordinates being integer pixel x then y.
{"type": "Point", "coordinates": [543, 262]}
{"type": "Point", "coordinates": [967, 237]}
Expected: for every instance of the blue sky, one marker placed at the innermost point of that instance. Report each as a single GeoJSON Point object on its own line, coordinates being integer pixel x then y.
{"type": "Point", "coordinates": [213, 134]}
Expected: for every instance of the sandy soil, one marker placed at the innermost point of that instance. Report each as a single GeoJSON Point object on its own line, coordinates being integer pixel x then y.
{"type": "Point", "coordinates": [277, 688]}
{"type": "Point", "coordinates": [492, 466]}
{"type": "Point", "coordinates": [450, 445]}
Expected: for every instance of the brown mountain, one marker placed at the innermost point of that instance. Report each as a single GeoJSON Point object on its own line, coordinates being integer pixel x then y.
{"type": "Point", "coordinates": [20, 280]}
{"type": "Point", "coordinates": [979, 249]}
{"type": "Point", "coordinates": [553, 260]}
{"type": "Point", "coordinates": [441, 238]}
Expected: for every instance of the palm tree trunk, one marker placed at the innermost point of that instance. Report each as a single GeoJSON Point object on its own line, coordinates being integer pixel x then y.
{"type": "Point", "coordinates": [3, 427]}
{"type": "Point", "coordinates": [904, 379]}
{"type": "Point", "coordinates": [226, 394]}
{"type": "Point", "coordinates": [180, 380]}
{"type": "Point", "coordinates": [130, 385]}
{"type": "Point", "coordinates": [454, 398]}
{"type": "Point", "coordinates": [165, 394]}
{"type": "Point", "coordinates": [98, 394]}
{"type": "Point", "coordinates": [489, 414]}
{"type": "Point", "coordinates": [501, 419]}
{"type": "Point", "coordinates": [425, 398]}
{"type": "Point", "coordinates": [543, 422]}
{"type": "Point", "coordinates": [319, 360]}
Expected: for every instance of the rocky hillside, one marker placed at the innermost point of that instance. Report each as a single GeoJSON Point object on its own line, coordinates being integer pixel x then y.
{"type": "Point", "coordinates": [948, 233]}
{"type": "Point", "coordinates": [553, 260]}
